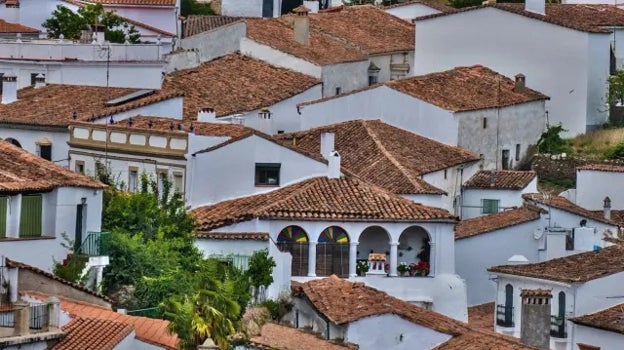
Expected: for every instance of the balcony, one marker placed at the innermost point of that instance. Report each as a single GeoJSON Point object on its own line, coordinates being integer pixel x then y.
{"type": "Point", "coordinates": [96, 244]}
{"type": "Point", "coordinates": [557, 327]}
{"type": "Point", "coordinates": [504, 316]}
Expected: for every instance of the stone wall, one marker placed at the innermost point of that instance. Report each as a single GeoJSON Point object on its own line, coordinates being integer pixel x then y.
{"type": "Point", "coordinates": [550, 166]}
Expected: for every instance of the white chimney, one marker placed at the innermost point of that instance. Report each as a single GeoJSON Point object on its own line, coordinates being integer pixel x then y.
{"type": "Point", "coordinates": [333, 171]}
{"type": "Point", "coordinates": [206, 115]}
{"type": "Point", "coordinates": [12, 11]}
{"type": "Point", "coordinates": [9, 89]}
{"type": "Point", "coordinates": [536, 6]}
{"type": "Point", "coordinates": [40, 81]}
{"type": "Point", "coordinates": [327, 144]}
{"type": "Point", "coordinates": [518, 260]}
{"type": "Point", "coordinates": [606, 208]}
{"type": "Point", "coordinates": [302, 25]}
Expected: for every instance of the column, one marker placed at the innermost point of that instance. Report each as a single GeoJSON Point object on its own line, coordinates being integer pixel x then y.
{"type": "Point", "coordinates": [433, 263]}
{"type": "Point", "coordinates": [312, 259]}
{"type": "Point", "coordinates": [394, 257]}
{"type": "Point", "coordinates": [353, 258]}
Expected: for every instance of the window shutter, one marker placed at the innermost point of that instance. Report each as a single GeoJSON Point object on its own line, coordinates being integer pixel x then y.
{"type": "Point", "coordinates": [30, 218]}
{"type": "Point", "coordinates": [3, 215]}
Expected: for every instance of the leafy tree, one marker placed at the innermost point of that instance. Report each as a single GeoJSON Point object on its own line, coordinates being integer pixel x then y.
{"type": "Point", "coordinates": [616, 88]}
{"type": "Point", "coordinates": [551, 142]}
{"type": "Point", "coordinates": [260, 269]}
{"type": "Point", "coordinates": [192, 7]}
{"type": "Point", "coordinates": [68, 23]}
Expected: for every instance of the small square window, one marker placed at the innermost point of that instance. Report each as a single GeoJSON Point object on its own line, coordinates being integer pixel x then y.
{"type": "Point", "coordinates": [267, 174]}
{"type": "Point", "coordinates": [338, 90]}
{"type": "Point", "coordinates": [489, 206]}
{"type": "Point", "coordinates": [178, 183]}
{"type": "Point", "coordinates": [79, 167]}
{"type": "Point", "coordinates": [484, 122]}
{"type": "Point", "coordinates": [445, 174]}
{"type": "Point", "coordinates": [45, 152]}
{"type": "Point", "coordinates": [517, 152]}
{"type": "Point", "coordinates": [133, 179]}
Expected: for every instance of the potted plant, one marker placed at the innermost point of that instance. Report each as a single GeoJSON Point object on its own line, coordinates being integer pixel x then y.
{"type": "Point", "coordinates": [361, 267]}
{"type": "Point", "coordinates": [421, 268]}
{"type": "Point", "coordinates": [403, 269]}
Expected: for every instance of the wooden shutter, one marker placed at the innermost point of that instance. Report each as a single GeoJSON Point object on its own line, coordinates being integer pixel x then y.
{"type": "Point", "coordinates": [3, 215]}
{"type": "Point", "coordinates": [30, 218]}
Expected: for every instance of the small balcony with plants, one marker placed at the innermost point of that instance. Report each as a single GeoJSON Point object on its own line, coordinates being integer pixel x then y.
{"type": "Point", "coordinates": [504, 316]}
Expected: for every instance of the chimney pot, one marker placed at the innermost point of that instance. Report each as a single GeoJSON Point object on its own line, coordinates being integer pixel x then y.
{"type": "Point", "coordinates": [333, 165]}
{"type": "Point", "coordinates": [520, 82]}
{"type": "Point", "coordinates": [206, 115]}
{"type": "Point", "coordinates": [9, 89]}
{"type": "Point", "coordinates": [607, 208]}
{"type": "Point", "coordinates": [327, 144]}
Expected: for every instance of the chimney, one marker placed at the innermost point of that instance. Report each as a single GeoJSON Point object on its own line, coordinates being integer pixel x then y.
{"type": "Point", "coordinates": [9, 89]}
{"type": "Point", "coordinates": [535, 318]}
{"type": "Point", "coordinates": [535, 6]}
{"type": "Point", "coordinates": [40, 81]}
{"type": "Point", "coordinates": [333, 171]}
{"type": "Point", "coordinates": [12, 11]}
{"type": "Point", "coordinates": [606, 208]}
{"type": "Point", "coordinates": [265, 121]}
{"type": "Point", "coordinates": [206, 115]}
{"type": "Point", "coordinates": [21, 318]}
{"type": "Point", "coordinates": [520, 82]}
{"type": "Point", "coordinates": [265, 114]}
{"type": "Point", "coordinates": [302, 25]}
{"type": "Point", "coordinates": [327, 144]}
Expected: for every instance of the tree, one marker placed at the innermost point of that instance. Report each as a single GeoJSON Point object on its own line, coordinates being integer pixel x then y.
{"type": "Point", "coordinates": [260, 269]}
{"type": "Point", "coordinates": [551, 142]}
{"type": "Point", "coordinates": [70, 24]}
{"type": "Point", "coordinates": [616, 88]}
{"type": "Point", "coordinates": [192, 7]}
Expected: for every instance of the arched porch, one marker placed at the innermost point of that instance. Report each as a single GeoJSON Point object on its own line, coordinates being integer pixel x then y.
{"type": "Point", "coordinates": [294, 239]}
{"type": "Point", "coordinates": [373, 250]}
{"type": "Point", "coordinates": [332, 252]}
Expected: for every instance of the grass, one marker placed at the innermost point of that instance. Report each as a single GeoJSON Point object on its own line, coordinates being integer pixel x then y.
{"type": "Point", "coordinates": [594, 144]}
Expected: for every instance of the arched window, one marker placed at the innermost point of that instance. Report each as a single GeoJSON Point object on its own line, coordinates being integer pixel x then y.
{"type": "Point", "coordinates": [293, 239]}
{"type": "Point", "coordinates": [13, 141]}
{"type": "Point", "coordinates": [332, 252]}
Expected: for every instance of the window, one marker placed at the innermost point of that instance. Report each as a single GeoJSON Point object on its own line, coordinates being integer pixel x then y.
{"type": "Point", "coordinates": [489, 206]}
{"type": "Point", "coordinates": [45, 152]}
{"type": "Point", "coordinates": [79, 167]}
{"type": "Point", "coordinates": [558, 321]}
{"type": "Point", "coordinates": [267, 174]}
{"type": "Point", "coordinates": [372, 79]}
{"type": "Point", "coordinates": [1, 75]}
{"type": "Point", "coordinates": [4, 203]}
{"type": "Point", "coordinates": [570, 240]}
{"type": "Point", "coordinates": [484, 122]}
{"type": "Point", "coordinates": [445, 174]}
{"type": "Point", "coordinates": [133, 179]}
{"type": "Point", "coordinates": [338, 90]}
{"type": "Point", "coordinates": [504, 312]}
{"type": "Point", "coordinates": [517, 152]}
{"type": "Point", "coordinates": [162, 179]}
{"type": "Point", "coordinates": [178, 183]}
{"type": "Point", "coordinates": [30, 217]}
{"type": "Point", "coordinates": [33, 77]}
{"type": "Point", "coordinates": [505, 159]}
{"type": "Point", "coordinates": [582, 346]}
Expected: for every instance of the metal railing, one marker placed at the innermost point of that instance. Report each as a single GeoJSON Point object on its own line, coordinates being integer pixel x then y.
{"type": "Point", "coordinates": [38, 316]}
{"type": "Point", "coordinates": [504, 316]}
{"type": "Point", "coordinates": [96, 244]}
{"type": "Point", "coordinates": [557, 327]}
{"type": "Point", "coordinates": [152, 312]}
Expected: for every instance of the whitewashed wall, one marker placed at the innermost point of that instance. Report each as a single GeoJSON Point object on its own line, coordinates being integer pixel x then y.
{"type": "Point", "coordinates": [573, 73]}
{"type": "Point", "coordinates": [593, 186]}
{"type": "Point", "coordinates": [392, 332]}
{"type": "Point", "coordinates": [388, 105]}
{"type": "Point", "coordinates": [214, 43]}
{"type": "Point", "coordinates": [210, 247]}
{"type": "Point", "coordinates": [560, 218]}
{"type": "Point", "coordinates": [618, 42]}
{"type": "Point", "coordinates": [451, 183]}
{"type": "Point", "coordinates": [229, 171]}
{"type": "Point", "coordinates": [471, 263]}
{"type": "Point", "coordinates": [597, 337]}
{"type": "Point", "coordinates": [471, 201]}
{"type": "Point", "coordinates": [27, 137]}
{"type": "Point", "coordinates": [34, 12]}
{"type": "Point", "coordinates": [346, 76]}
{"type": "Point", "coordinates": [599, 294]}
{"type": "Point", "coordinates": [383, 61]}
{"type": "Point", "coordinates": [247, 8]}
{"type": "Point", "coordinates": [161, 17]}
{"type": "Point", "coordinates": [411, 11]}
{"type": "Point", "coordinates": [278, 58]}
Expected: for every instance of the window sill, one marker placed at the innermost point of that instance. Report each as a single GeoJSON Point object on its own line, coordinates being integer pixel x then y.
{"type": "Point", "coordinates": [267, 185]}
{"type": "Point", "coordinates": [38, 238]}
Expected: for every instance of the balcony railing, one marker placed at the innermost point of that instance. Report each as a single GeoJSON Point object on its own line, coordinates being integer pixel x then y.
{"type": "Point", "coordinates": [504, 316]}
{"type": "Point", "coordinates": [557, 327]}
{"type": "Point", "coordinates": [96, 244]}
{"type": "Point", "coordinates": [38, 316]}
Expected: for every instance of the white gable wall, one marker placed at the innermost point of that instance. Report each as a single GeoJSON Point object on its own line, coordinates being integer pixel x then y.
{"type": "Point", "coordinates": [472, 205]}
{"type": "Point", "coordinates": [523, 45]}
{"type": "Point", "coordinates": [599, 294]}
{"type": "Point", "coordinates": [411, 11]}
{"type": "Point", "coordinates": [391, 106]}
{"type": "Point", "coordinates": [28, 137]}
{"type": "Point", "coordinates": [450, 180]}
{"type": "Point", "coordinates": [593, 186]}
{"type": "Point", "coordinates": [346, 76]}
{"type": "Point", "coordinates": [278, 58]}
{"type": "Point", "coordinates": [597, 337]}
{"type": "Point", "coordinates": [392, 332]}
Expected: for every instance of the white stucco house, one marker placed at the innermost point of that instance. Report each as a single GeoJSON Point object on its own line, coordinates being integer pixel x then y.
{"type": "Point", "coordinates": [596, 182]}
{"type": "Point", "coordinates": [471, 107]}
{"type": "Point", "coordinates": [510, 38]}
{"type": "Point", "coordinates": [405, 163]}
{"type": "Point", "coordinates": [598, 330]}
{"type": "Point", "coordinates": [330, 225]}
{"type": "Point", "coordinates": [489, 192]}
{"type": "Point", "coordinates": [40, 202]}
{"type": "Point", "coordinates": [410, 9]}
{"type": "Point", "coordinates": [579, 284]}
{"type": "Point", "coordinates": [351, 312]}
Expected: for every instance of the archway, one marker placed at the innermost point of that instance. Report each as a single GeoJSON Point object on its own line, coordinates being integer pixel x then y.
{"type": "Point", "coordinates": [415, 248]}
{"type": "Point", "coordinates": [13, 141]}
{"type": "Point", "coordinates": [374, 239]}
{"type": "Point", "coordinates": [332, 252]}
{"type": "Point", "coordinates": [294, 239]}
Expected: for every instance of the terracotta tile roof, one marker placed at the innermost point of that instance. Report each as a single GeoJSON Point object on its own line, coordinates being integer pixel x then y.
{"type": "Point", "coordinates": [51, 105]}
{"type": "Point", "coordinates": [286, 338]}
{"type": "Point", "coordinates": [8, 27]}
{"type": "Point", "coordinates": [23, 171]}
{"type": "Point", "coordinates": [614, 168]}
{"type": "Point", "coordinates": [575, 268]}
{"type": "Point", "coordinates": [500, 179]}
{"type": "Point", "coordinates": [148, 3]}
{"type": "Point", "coordinates": [341, 302]}
{"type": "Point", "coordinates": [233, 84]}
{"type": "Point", "coordinates": [562, 203]}
{"type": "Point", "coordinates": [384, 155]}
{"type": "Point", "coordinates": [250, 236]}
{"type": "Point", "coordinates": [481, 340]}
{"type": "Point", "coordinates": [611, 319]}
{"type": "Point", "coordinates": [436, 5]}
{"type": "Point", "coordinates": [92, 333]}
{"type": "Point", "coordinates": [481, 317]}
{"type": "Point", "coordinates": [195, 24]}
{"type": "Point", "coordinates": [366, 27]}
{"type": "Point", "coordinates": [457, 90]}
{"type": "Point", "coordinates": [536, 293]}
{"type": "Point", "coordinates": [583, 17]}
{"type": "Point", "coordinates": [17, 264]}
{"type": "Point", "coordinates": [488, 223]}
{"type": "Point", "coordinates": [322, 49]}
{"type": "Point", "coordinates": [319, 198]}
{"type": "Point", "coordinates": [149, 330]}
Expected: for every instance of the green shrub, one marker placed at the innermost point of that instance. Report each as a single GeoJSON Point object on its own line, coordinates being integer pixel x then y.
{"type": "Point", "coordinates": [615, 152]}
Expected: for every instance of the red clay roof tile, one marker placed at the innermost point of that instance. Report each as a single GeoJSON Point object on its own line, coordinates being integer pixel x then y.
{"type": "Point", "coordinates": [286, 338]}
{"type": "Point", "coordinates": [500, 179]}
{"type": "Point", "coordinates": [92, 333]}
{"type": "Point", "coordinates": [606, 167]}
{"type": "Point", "coordinates": [488, 223]}
{"type": "Point", "coordinates": [562, 203]}
{"type": "Point", "coordinates": [251, 236]}
{"type": "Point", "coordinates": [135, 2]}
{"type": "Point", "coordinates": [8, 28]}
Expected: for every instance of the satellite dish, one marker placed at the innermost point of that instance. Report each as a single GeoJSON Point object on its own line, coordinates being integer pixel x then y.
{"type": "Point", "coordinates": [539, 232]}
